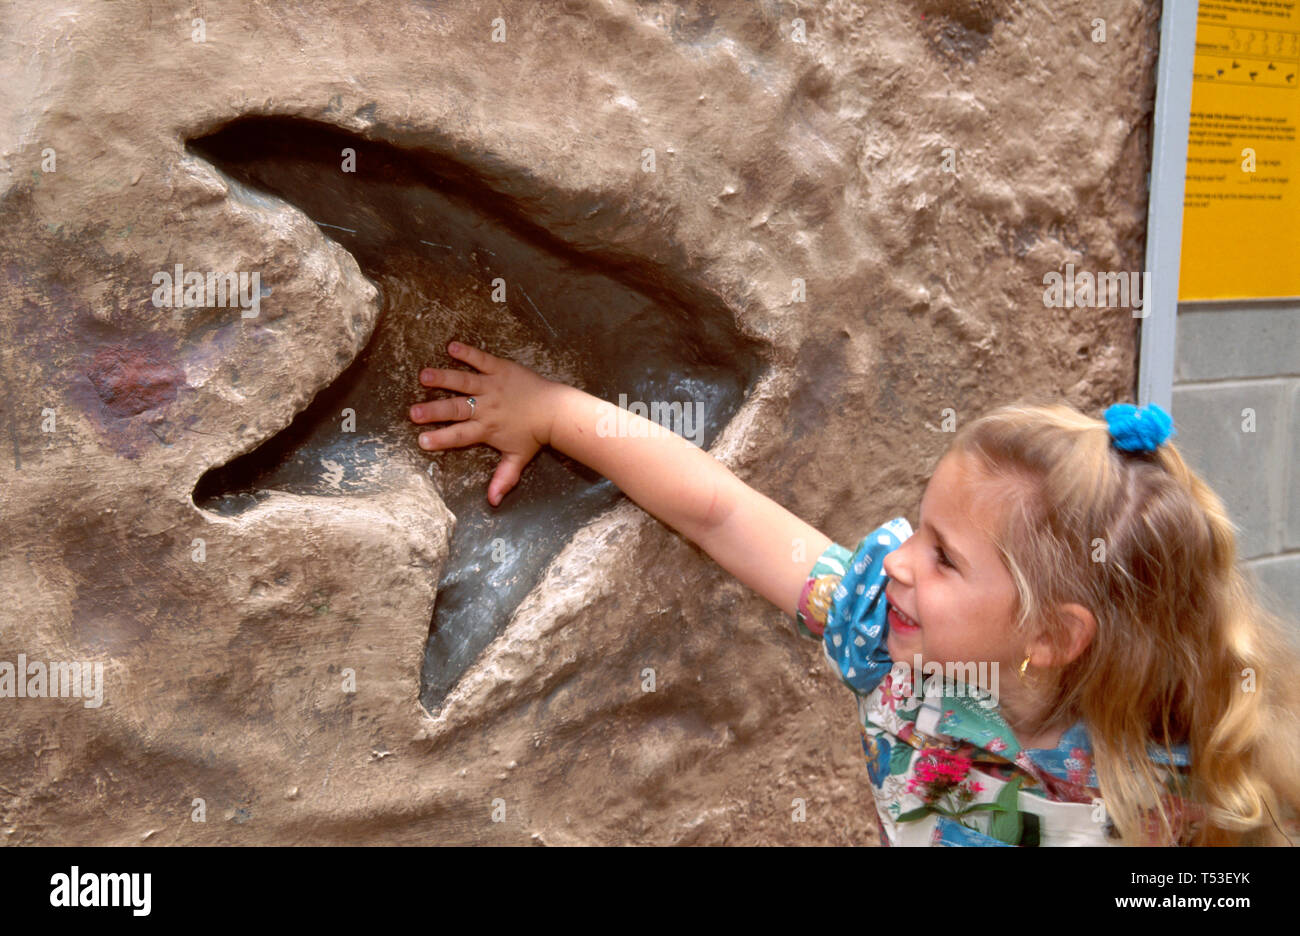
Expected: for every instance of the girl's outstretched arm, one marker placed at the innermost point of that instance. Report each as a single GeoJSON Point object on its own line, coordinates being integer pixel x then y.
{"type": "Point", "coordinates": [517, 411]}
{"type": "Point", "coordinates": [754, 538]}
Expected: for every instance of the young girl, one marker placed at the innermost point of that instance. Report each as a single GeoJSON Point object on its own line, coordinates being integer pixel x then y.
{"type": "Point", "coordinates": [1064, 653]}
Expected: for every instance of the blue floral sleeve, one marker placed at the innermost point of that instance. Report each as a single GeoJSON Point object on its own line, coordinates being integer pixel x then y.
{"type": "Point", "coordinates": [843, 603]}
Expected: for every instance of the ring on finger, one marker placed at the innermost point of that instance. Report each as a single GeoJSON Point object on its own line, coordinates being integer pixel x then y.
{"type": "Point", "coordinates": [472, 404]}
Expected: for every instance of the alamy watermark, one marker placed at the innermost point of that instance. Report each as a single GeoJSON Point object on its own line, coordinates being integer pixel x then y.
{"type": "Point", "coordinates": [1085, 290]}
{"type": "Point", "coordinates": [195, 290]}
{"type": "Point", "coordinates": [77, 889]}
{"type": "Point", "coordinates": [61, 680]}
{"type": "Point", "coordinates": [662, 417]}
{"type": "Point", "coordinates": [979, 681]}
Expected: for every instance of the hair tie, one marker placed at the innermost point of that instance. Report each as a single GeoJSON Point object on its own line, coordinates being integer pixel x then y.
{"type": "Point", "coordinates": [1138, 428]}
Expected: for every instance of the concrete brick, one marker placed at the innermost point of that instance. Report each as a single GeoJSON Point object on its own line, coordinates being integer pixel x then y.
{"type": "Point", "coordinates": [1278, 579]}
{"type": "Point", "coordinates": [1225, 342]}
{"type": "Point", "coordinates": [1244, 468]}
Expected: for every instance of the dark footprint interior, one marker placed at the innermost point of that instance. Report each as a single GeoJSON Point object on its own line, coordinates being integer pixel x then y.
{"type": "Point", "coordinates": [432, 234]}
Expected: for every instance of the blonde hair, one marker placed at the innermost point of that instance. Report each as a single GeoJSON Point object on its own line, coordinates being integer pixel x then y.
{"type": "Point", "coordinates": [1184, 651]}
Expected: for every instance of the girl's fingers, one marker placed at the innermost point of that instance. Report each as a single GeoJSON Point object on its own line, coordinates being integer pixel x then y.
{"type": "Point", "coordinates": [505, 477]}
{"type": "Point", "coordinates": [475, 357]}
{"type": "Point", "coordinates": [458, 380]}
{"type": "Point", "coordinates": [441, 410]}
{"type": "Point", "coordinates": [457, 436]}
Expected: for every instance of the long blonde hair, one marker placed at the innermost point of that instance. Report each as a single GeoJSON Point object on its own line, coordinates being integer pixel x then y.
{"type": "Point", "coordinates": [1184, 650]}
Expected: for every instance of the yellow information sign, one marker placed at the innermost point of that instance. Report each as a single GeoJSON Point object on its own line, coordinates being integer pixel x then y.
{"type": "Point", "coordinates": [1241, 205]}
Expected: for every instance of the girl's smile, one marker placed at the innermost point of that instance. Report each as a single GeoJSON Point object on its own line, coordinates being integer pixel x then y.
{"type": "Point", "coordinates": [898, 621]}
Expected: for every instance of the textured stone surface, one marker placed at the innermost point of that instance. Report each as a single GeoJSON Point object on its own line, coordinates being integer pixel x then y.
{"type": "Point", "coordinates": [323, 550]}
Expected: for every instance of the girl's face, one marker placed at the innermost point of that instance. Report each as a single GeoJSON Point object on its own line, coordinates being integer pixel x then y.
{"type": "Point", "coordinates": [949, 578]}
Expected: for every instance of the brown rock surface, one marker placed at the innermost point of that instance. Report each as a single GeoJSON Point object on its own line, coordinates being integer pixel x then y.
{"type": "Point", "coordinates": [774, 160]}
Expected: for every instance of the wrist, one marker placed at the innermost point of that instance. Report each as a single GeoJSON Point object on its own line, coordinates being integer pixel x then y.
{"type": "Point", "coordinates": [554, 399]}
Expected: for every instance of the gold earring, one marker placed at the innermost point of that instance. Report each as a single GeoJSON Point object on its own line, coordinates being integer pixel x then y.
{"type": "Point", "coordinates": [1024, 666]}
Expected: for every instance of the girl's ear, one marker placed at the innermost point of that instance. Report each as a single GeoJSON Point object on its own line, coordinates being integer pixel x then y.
{"type": "Point", "coordinates": [1081, 629]}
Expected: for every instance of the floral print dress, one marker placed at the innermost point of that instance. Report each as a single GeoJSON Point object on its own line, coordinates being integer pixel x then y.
{"type": "Point", "coordinates": [944, 766]}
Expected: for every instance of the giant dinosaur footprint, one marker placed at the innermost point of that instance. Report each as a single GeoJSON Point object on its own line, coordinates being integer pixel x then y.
{"type": "Point", "coordinates": [439, 243]}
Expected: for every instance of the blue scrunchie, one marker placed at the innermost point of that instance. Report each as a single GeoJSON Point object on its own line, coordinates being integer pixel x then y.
{"type": "Point", "coordinates": [1138, 428]}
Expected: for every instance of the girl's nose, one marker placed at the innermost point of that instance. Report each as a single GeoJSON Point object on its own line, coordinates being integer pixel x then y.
{"type": "Point", "coordinates": [894, 565]}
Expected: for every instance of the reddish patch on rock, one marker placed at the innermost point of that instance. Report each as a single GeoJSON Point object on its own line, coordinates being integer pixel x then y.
{"type": "Point", "coordinates": [130, 380]}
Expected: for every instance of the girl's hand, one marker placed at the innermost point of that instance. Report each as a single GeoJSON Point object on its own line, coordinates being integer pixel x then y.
{"type": "Point", "coordinates": [512, 412]}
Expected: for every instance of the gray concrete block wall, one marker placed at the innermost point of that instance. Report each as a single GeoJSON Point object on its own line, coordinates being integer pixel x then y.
{"type": "Point", "coordinates": [1232, 360]}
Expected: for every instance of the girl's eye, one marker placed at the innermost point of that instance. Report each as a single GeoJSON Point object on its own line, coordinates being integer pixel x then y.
{"type": "Point", "coordinates": [943, 559]}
